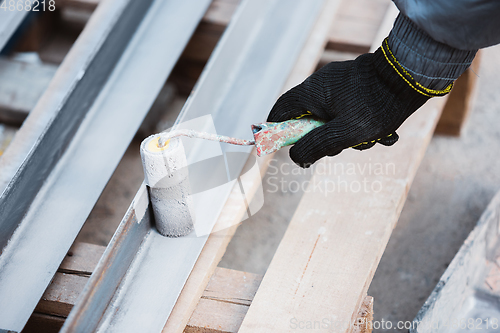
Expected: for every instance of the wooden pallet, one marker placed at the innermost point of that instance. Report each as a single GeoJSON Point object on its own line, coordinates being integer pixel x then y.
{"type": "Point", "coordinates": [221, 307]}
{"type": "Point", "coordinates": [317, 270]}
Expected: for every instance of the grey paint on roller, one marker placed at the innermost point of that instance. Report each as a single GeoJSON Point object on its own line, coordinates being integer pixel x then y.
{"type": "Point", "coordinates": [243, 78]}
{"type": "Point", "coordinates": [167, 179]}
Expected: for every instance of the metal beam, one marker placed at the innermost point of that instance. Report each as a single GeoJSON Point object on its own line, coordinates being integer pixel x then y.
{"type": "Point", "coordinates": [141, 274]}
{"type": "Point", "coordinates": [10, 20]}
{"type": "Point", "coordinates": [76, 136]}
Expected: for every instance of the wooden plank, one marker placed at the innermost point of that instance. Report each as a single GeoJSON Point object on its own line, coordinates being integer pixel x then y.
{"type": "Point", "coordinates": [232, 286]}
{"type": "Point", "coordinates": [82, 259]}
{"type": "Point", "coordinates": [219, 12]}
{"type": "Point", "coordinates": [457, 109]}
{"type": "Point", "coordinates": [352, 35]}
{"type": "Point", "coordinates": [385, 26]}
{"type": "Point", "coordinates": [61, 295]}
{"type": "Point", "coordinates": [233, 210]}
{"type": "Point", "coordinates": [56, 49]}
{"type": "Point", "coordinates": [331, 249]}
{"type": "Point", "coordinates": [199, 49]}
{"type": "Point", "coordinates": [6, 135]}
{"type": "Point", "coordinates": [364, 324]}
{"type": "Point", "coordinates": [228, 296]}
{"type": "Point", "coordinates": [216, 317]}
{"type": "Point", "coordinates": [70, 279]}
{"type": "Point", "coordinates": [21, 85]}
{"type": "Point", "coordinates": [88, 5]}
{"type": "Point", "coordinates": [356, 25]}
{"type": "Point", "coordinates": [37, 31]}
{"type": "Point", "coordinates": [40, 322]}
{"type": "Point", "coordinates": [225, 302]}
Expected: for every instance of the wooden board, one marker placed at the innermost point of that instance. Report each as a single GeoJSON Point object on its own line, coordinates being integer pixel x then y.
{"type": "Point", "coordinates": [231, 286]}
{"type": "Point", "coordinates": [69, 281]}
{"type": "Point", "coordinates": [21, 85]}
{"type": "Point", "coordinates": [82, 259]}
{"type": "Point", "coordinates": [457, 109]}
{"type": "Point", "coordinates": [356, 25]}
{"type": "Point", "coordinates": [80, 4]}
{"type": "Point", "coordinates": [331, 249]}
{"type": "Point", "coordinates": [40, 322]}
{"type": "Point", "coordinates": [61, 294]}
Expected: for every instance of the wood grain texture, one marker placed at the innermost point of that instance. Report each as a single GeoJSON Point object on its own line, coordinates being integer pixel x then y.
{"type": "Point", "coordinates": [82, 259]}
{"type": "Point", "coordinates": [79, 4]}
{"type": "Point", "coordinates": [457, 109]}
{"type": "Point", "coordinates": [232, 286]}
{"type": "Point", "coordinates": [331, 249]}
{"type": "Point", "coordinates": [61, 295]}
{"type": "Point", "coordinates": [225, 302]}
{"type": "Point", "coordinates": [40, 322]}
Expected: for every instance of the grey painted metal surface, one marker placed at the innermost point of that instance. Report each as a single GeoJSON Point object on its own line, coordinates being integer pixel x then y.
{"type": "Point", "coordinates": [84, 124]}
{"type": "Point", "coordinates": [9, 22]}
{"type": "Point", "coordinates": [467, 296]}
{"type": "Point", "coordinates": [141, 274]}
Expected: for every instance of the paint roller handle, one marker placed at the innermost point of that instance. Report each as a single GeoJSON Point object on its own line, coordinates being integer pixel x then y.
{"type": "Point", "coordinates": [270, 137]}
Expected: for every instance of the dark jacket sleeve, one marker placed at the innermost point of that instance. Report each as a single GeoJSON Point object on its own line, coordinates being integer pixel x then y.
{"type": "Point", "coordinates": [462, 24]}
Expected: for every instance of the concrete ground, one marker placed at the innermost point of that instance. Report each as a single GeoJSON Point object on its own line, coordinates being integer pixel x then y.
{"type": "Point", "coordinates": [455, 182]}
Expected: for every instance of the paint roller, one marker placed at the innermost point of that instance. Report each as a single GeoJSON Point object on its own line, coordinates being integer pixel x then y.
{"type": "Point", "coordinates": [166, 173]}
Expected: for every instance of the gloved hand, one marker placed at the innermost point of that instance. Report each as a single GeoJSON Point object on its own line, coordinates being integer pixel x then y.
{"type": "Point", "coordinates": [364, 101]}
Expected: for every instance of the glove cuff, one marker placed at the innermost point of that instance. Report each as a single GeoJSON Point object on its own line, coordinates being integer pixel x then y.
{"type": "Point", "coordinates": [430, 63]}
{"type": "Point", "coordinates": [407, 77]}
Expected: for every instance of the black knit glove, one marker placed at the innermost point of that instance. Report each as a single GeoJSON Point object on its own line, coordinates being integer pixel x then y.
{"type": "Point", "coordinates": [364, 101]}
